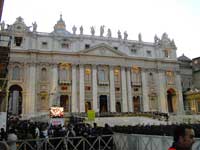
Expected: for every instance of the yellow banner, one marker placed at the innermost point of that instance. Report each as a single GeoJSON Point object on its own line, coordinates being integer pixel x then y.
{"type": "Point", "coordinates": [91, 115]}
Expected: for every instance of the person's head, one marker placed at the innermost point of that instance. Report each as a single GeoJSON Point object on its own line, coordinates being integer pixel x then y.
{"type": "Point", "coordinates": [184, 136]}
{"type": "Point", "coordinates": [2, 130]}
{"type": "Point", "coordinates": [4, 146]}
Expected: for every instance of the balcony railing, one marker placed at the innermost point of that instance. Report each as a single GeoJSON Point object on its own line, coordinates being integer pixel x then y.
{"type": "Point", "coordinates": [67, 82]}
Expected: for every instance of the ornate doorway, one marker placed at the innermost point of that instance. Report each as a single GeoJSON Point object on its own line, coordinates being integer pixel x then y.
{"type": "Point", "coordinates": [15, 100]}
{"type": "Point", "coordinates": [136, 103]}
{"type": "Point", "coordinates": [170, 100]}
{"type": "Point", "coordinates": [103, 103]}
{"type": "Point", "coordinates": [64, 102]}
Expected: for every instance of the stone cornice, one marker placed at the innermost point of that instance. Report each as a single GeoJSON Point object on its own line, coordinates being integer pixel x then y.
{"type": "Point", "coordinates": [161, 60]}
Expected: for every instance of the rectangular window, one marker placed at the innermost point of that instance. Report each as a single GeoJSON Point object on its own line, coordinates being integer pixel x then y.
{"type": "Point", "coordinates": [166, 53]}
{"type": "Point", "coordinates": [149, 53]}
{"type": "Point", "coordinates": [117, 89]}
{"type": "Point", "coordinates": [87, 88]}
{"type": "Point", "coordinates": [101, 75]}
{"type": "Point", "coordinates": [44, 44]}
{"type": "Point", "coordinates": [65, 45]}
{"type": "Point", "coordinates": [18, 41]}
{"type": "Point", "coordinates": [134, 51]}
{"type": "Point", "coordinates": [115, 48]}
{"type": "Point", "coordinates": [87, 46]}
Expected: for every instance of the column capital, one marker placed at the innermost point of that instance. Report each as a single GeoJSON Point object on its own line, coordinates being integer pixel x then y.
{"type": "Point", "coordinates": [54, 65]}
{"type": "Point", "coordinates": [94, 65]}
{"type": "Point", "coordinates": [74, 65]}
{"type": "Point", "coordinates": [128, 68]}
{"type": "Point", "coordinates": [111, 66]}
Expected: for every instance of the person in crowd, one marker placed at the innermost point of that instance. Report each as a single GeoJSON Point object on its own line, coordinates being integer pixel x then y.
{"type": "Point", "coordinates": [70, 131]}
{"type": "Point", "coordinates": [4, 145]}
{"type": "Point", "coordinates": [12, 138]}
{"type": "Point", "coordinates": [44, 132]}
{"type": "Point", "coordinates": [3, 135]}
{"type": "Point", "coordinates": [183, 138]}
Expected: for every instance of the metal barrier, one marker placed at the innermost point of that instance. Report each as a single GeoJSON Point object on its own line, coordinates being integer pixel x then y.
{"type": "Point", "coordinates": [107, 142]}
{"type": "Point", "coordinates": [104, 142]}
{"type": "Point", "coordinates": [145, 142]}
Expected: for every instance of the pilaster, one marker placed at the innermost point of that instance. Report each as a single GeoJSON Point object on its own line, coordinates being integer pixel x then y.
{"type": "Point", "coordinates": [180, 105]}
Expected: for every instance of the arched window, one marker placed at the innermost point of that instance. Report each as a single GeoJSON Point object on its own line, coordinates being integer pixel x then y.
{"type": "Point", "coordinates": [43, 74]}
{"type": "Point", "coordinates": [16, 73]}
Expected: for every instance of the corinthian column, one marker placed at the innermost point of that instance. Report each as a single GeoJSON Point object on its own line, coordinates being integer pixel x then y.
{"type": "Point", "coordinates": [31, 88]}
{"type": "Point", "coordinates": [130, 101]}
{"type": "Point", "coordinates": [112, 91]}
{"type": "Point", "coordinates": [74, 89]}
{"type": "Point", "coordinates": [82, 89]}
{"type": "Point", "coordinates": [94, 87]}
{"type": "Point", "coordinates": [145, 92]}
{"type": "Point", "coordinates": [124, 90]}
{"type": "Point", "coordinates": [53, 93]}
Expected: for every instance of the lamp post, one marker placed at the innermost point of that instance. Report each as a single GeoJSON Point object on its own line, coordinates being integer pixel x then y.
{"type": "Point", "coordinates": [5, 40]}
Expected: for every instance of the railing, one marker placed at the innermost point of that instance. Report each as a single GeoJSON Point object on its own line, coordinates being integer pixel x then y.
{"type": "Point", "coordinates": [65, 143]}
{"type": "Point", "coordinates": [145, 142]}
{"type": "Point", "coordinates": [106, 142]}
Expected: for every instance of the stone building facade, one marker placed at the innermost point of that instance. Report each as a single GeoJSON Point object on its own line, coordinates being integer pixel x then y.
{"type": "Point", "coordinates": [99, 72]}
{"type": "Point", "coordinates": [190, 79]}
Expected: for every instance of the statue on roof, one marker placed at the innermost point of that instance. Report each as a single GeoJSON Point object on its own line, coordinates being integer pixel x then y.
{"type": "Point", "coordinates": [2, 25]}
{"type": "Point", "coordinates": [139, 37]}
{"type": "Point", "coordinates": [125, 35]}
{"type": "Point", "coordinates": [81, 30]}
{"type": "Point", "coordinates": [34, 26]}
{"type": "Point", "coordinates": [156, 39]}
{"type": "Point", "coordinates": [173, 43]}
{"type": "Point", "coordinates": [102, 30]}
{"type": "Point", "coordinates": [92, 30]}
{"type": "Point", "coordinates": [109, 34]}
{"type": "Point", "coordinates": [119, 34]}
{"type": "Point", "coordinates": [74, 29]}
{"type": "Point", "coordinates": [9, 27]}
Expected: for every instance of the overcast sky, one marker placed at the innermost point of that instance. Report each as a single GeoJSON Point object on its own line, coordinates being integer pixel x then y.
{"type": "Point", "coordinates": [180, 19]}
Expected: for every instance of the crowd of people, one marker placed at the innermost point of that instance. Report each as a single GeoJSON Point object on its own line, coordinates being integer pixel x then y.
{"type": "Point", "coordinates": [163, 130]}
{"type": "Point", "coordinates": [26, 129]}
{"type": "Point", "coordinates": [23, 130]}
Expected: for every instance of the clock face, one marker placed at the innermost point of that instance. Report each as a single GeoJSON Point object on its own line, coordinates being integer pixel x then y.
{"type": "Point", "coordinates": [18, 28]}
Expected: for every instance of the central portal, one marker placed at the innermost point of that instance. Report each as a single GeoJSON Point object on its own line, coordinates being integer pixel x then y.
{"type": "Point", "coordinates": [103, 103]}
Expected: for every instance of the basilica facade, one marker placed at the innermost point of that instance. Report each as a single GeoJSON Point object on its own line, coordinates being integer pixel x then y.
{"type": "Point", "coordinates": [90, 72]}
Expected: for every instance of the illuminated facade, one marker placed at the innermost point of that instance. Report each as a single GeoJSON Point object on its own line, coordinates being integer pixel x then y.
{"type": "Point", "coordinates": [99, 72]}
